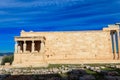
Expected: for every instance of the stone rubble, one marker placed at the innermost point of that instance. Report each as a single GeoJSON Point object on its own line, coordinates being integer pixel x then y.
{"type": "Point", "coordinates": [68, 73]}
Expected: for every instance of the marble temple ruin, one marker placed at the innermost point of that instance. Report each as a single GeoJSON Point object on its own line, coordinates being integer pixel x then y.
{"type": "Point", "coordinates": [38, 49]}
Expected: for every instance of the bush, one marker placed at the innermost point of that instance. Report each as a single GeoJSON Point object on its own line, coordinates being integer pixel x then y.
{"type": "Point", "coordinates": [6, 59]}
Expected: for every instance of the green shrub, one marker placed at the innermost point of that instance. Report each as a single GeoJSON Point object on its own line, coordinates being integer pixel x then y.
{"type": "Point", "coordinates": [6, 59]}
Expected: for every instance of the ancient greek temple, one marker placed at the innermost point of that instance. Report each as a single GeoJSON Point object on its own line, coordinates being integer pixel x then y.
{"type": "Point", "coordinates": [38, 49]}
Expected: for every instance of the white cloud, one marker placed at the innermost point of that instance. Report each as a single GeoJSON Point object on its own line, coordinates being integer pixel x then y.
{"type": "Point", "coordinates": [38, 3]}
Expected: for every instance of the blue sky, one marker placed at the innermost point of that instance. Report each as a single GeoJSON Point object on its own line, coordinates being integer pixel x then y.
{"type": "Point", "coordinates": [53, 15]}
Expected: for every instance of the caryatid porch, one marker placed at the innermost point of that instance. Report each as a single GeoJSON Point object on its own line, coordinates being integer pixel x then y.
{"type": "Point", "coordinates": [29, 44]}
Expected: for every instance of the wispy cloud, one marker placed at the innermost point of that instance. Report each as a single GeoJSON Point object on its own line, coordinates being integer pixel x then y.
{"type": "Point", "coordinates": [44, 15]}
{"type": "Point", "coordinates": [36, 3]}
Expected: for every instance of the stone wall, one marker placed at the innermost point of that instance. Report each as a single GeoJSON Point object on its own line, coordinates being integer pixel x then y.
{"type": "Point", "coordinates": [72, 47]}
{"type": "Point", "coordinates": [81, 45]}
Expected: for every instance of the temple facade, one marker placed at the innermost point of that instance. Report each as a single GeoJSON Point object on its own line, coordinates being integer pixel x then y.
{"type": "Point", "coordinates": [38, 49]}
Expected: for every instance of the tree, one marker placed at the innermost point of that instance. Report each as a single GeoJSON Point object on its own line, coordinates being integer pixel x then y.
{"type": "Point", "coordinates": [6, 59]}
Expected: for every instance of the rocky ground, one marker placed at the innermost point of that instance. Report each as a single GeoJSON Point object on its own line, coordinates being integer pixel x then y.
{"type": "Point", "coordinates": [62, 72]}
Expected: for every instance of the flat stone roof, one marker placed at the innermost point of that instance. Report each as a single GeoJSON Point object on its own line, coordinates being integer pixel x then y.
{"type": "Point", "coordinates": [36, 38]}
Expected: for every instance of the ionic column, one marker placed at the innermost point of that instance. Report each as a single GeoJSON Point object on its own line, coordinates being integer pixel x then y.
{"type": "Point", "coordinates": [118, 44]}
{"type": "Point", "coordinates": [113, 48]}
{"type": "Point", "coordinates": [42, 46]}
{"type": "Point", "coordinates": [24, 46]}
{"type": "Point", "coordinates": [114, 39]}
{"type": "Point", "coordinates": [33, 46]}
{"type": "Point", "coordinates": [16, 47]}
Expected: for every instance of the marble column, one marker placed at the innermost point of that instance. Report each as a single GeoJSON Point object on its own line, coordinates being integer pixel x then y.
{"type": "Point", "coordinates": [24, 46]}
{"type": "Point", "coordinates": [114, 39]}
{"type": "Point", "coordinates": [118, 44]}
{"type": "Point", "coordinates": [42, 46]}
{"type": "Point", "coordinates": [16, 47]}
{"type": "Point", "coordinates": [33, 46]}
{"type": "Point", "coordinates": [113, 48]}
